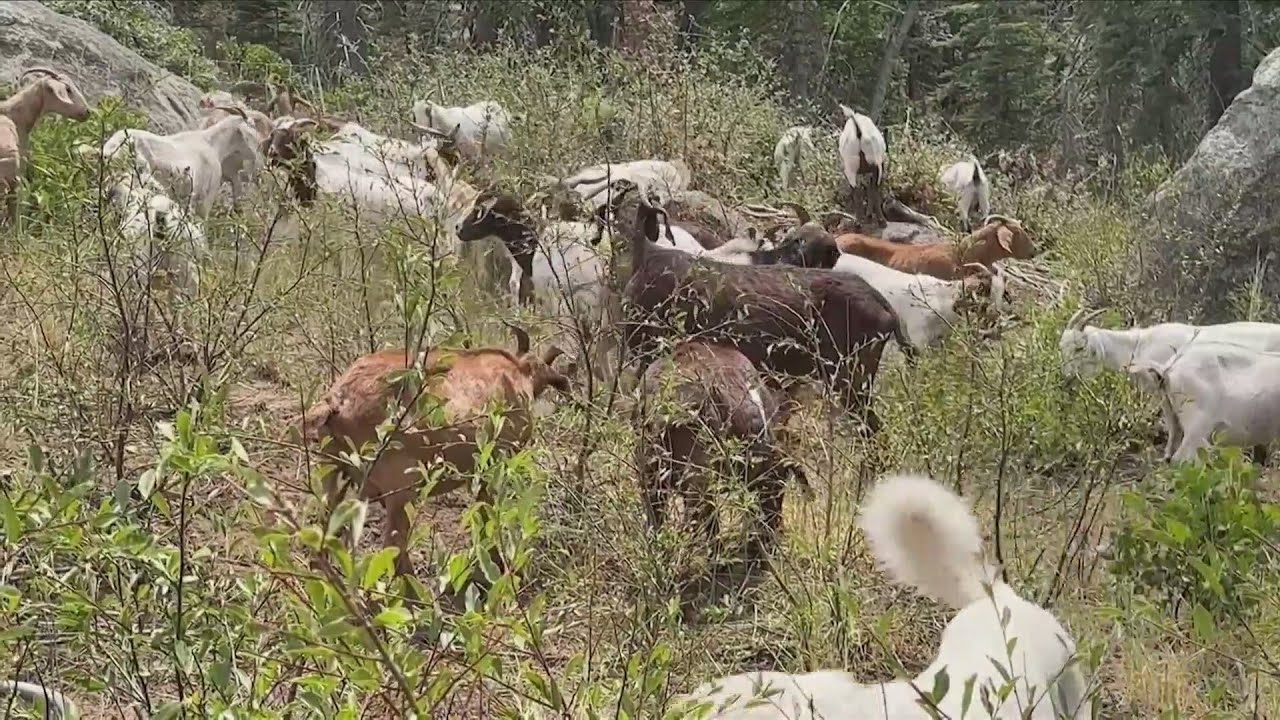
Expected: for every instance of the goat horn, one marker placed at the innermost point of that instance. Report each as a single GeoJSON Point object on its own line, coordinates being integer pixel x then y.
{"type": "Point", "coordinates": [801, 213]}
{"type": "Point", "coordinates": [304, 101]}
{"type": "Point", "coordinates": [826, 218]}
{"type": "Point", "coordinates": [39, 70]}
{"type": "Point", "coordinates": [979, 268]}
{"type": "Point", "coordinates": [522, 337]}
{"type": "Point", "coordinates": [233, 110]}
{"type": "Point", "coordinates": [303, 123]}
{"type": "Point", "coordinates": [1091, 315]}
{"type": "Point", "coordinates": [431, 131]}
{"type": "Point", "coordinates": [1002, 219]}
{"type": "Point", "coordinates": [550, 354]}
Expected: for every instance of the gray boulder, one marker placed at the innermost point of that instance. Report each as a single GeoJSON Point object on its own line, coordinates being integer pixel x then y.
{"type": "Point", "coordinates": [32, 34]}
{"type": "Point", "coordinates": [1213, 229]}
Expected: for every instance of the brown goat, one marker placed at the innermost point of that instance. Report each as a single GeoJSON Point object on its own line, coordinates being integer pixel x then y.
{"type": "Point", "coordinates": [998, 238]}
{"type": "Point", "coordinates": [693, 400]}
{"type": "Point", "coordinates": [466, 384]}
{"type": "Point", "coordinates": [796, 321]}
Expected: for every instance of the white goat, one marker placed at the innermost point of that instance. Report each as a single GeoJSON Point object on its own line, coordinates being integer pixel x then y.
{"type": "Point", "coordinates": [788, 154]}
{"type": "Point", "coordinates": [1087, 350]}
{"type": "Point", "coordinates": [50, 92]}
{"type": "Point", "coordinates": [166, 243]}
{"type": "Point", "coordinates": [968, 184]}
{"type": "Point", "coordinates": [57, 706]}
{"type": "Point", "coordinates": [928, 307]}
{"type": "Point", "coordinates": [192, 164]}
{"type": "Point", "coordinates": [926, 537]}
{"type": "Point", "coordinates": [662, 177]}
{"type": "Point", "coordinates": [863, 154]}
{"type": "Point", "coordinates": [390, 175]}
{"type": "Point", "coordinates": [483, 128]}
{"type": "Point", "coordinates": [1213, 387]}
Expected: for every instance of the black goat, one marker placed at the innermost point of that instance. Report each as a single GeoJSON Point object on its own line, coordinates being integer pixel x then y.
{"type": "Point", "coordinates": [794, 321]}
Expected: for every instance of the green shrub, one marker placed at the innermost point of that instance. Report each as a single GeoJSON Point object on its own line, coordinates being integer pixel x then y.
{"type": "Point", "coordinates": [1205, 539]}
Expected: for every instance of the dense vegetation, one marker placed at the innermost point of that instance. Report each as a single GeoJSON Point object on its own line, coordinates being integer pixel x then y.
{"type": "Point", "coordinates": [159, 519]}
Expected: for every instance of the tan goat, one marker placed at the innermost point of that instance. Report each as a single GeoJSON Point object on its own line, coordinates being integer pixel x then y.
{"type": "Point", "coordinates": [466, 384]}
{"type": "Point", "coordinates": [998, 238]}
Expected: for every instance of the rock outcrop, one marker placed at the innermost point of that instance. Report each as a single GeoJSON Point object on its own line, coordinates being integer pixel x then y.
{"type": "Point", "coordinates": [1213, 230]}
{"type": "Point", "coordinates": [32, 34]}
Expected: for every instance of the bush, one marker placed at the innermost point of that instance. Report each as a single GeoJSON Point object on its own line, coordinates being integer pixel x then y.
{"type": "Point", "coordinates": [1203, 540]}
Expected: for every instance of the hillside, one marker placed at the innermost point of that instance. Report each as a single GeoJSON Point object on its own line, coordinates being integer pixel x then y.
{"type": "Point", "coordinates": [167, 548]}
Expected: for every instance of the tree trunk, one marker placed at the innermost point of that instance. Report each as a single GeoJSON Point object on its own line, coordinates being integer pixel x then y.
{"type": "Point", "coordinates": [643, 30]}
{"type": "Point", "coordinates": [484, 31]}
{"type": "Point", "coordinates": [798, 56]}
{"type": "Point", "coordinates": [692, 16]}
{"type": "Point", "coordinates": [1225, 71]}
{"type": "Point", "coordinates": [892, 49]}
{"type": "Point", "coordinates": [602, 15]}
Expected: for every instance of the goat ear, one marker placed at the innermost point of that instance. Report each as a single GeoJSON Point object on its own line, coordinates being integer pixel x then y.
{"type": "Point", "coordinates": [1004, 236]}
{"type": "Point", "coordinates": [60, 90]}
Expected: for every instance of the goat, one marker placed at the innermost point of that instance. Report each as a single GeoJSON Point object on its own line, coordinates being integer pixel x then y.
{"type": "Point", "coordinates": [1006, 657]}
{"type": "Point", "coordinates": [707, 218]}
{"type": "Point", "coordinates": [51, 92]}
{"type": "Point", "coordinates": [483, 128]}
{"type": "Point", "coordinates": [1087, 350]}
{"type": "Point", "coordinates": [193, 164]}
{"type": "Point", "coordinates": [383, 174]}
{"type": "Point", "coordinates": [794, 321]}
{"type": "Point", "coordinates": [213, 105]}
{"type": "Point", "coordinates": [56, 705]}
{"type": "Point", "coordinates": [439, 417]}
{"type": "Point", "coordinates": [665, 178]}
{"type": "Point", "coordinates": [789, 152]}
{"type": "Point", "coordinates": [559, 268]}
{"type": "Point", "coordinates": [928, 308]}
{"type": "Point", "coordinates": [166, 242]}
{"type": "Point", "coordinates": [968, 184]}
{"type": "Point", "coordinates": [863, 155]}
{"type": "Point", "coordinates": [998, 238]}
{"type": "Point", "coordinates": [1215, 388]}
{"type": "Point", "coordinates": [699, 396]}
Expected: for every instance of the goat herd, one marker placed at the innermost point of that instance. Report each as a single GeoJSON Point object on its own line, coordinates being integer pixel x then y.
{"type": "Point", "coordinates": [718, 319]}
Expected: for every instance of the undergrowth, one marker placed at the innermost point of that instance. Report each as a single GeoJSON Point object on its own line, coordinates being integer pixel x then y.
{"type": "Point", "coordinates": [165, 547]}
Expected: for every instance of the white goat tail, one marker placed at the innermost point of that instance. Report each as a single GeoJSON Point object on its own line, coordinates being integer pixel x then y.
{"type": "Point", "coordinates": [926, 536]}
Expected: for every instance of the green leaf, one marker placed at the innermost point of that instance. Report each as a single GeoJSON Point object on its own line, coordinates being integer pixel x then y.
{"type": "Point", "coordinates": [349, 513]}
{"type": "Point", "coordinates": [941, 684]}
{"type": "Point", "coordinates": [1203, 622]}
{"type": "Point", "coordinates": [147, 483]}
{"type": "Point", "coordinates": [14, 527]}
{"type": "Point", "coordinates": [379, 566]}
{"type": "Point", "coordinates": [393, 617]}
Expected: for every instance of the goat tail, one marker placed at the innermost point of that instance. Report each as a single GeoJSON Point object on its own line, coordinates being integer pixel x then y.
{"type": "Point", "coordinates": [925, 536]}
{"type": "Point", "coordinates": [57, 704]}
{"type": "Point", "coordinates": [1148, 377]}
{"type": "Point", "coordinates": [904, 342]}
